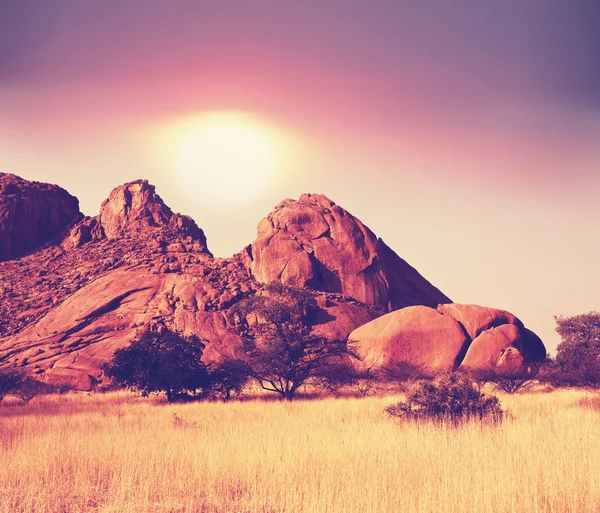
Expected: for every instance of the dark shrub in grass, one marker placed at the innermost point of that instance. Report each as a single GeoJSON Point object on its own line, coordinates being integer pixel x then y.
{"type": "Point", "coordinates": [451, 397]}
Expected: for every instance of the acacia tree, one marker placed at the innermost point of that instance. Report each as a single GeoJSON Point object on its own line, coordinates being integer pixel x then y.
{"type": "Point", "coordinates": [30, 388]}
{"type": "Point", "coordinates": [162, 361]}
{"type": "Point", "coordinates": [282, 352]}
{"type": "Point", "coordinates": [578, 355]}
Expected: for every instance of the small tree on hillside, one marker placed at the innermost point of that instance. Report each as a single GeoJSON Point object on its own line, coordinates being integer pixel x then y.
{"type": "Point", "coordinates": [30, 388]}
{"type": "Point", "coordinates": [160, 362]}
{"type": "Point", "coordinates": [578, 355]}
{"type": "Point", "coordinates": [281, 350]}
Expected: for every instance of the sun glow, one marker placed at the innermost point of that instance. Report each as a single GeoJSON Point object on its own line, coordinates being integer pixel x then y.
{"type": "Point", "coordinates": [224, 160]}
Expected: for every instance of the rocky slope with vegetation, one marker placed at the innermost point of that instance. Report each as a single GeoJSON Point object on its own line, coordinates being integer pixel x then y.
{"type": "Point", "coordinates": [90, 285]}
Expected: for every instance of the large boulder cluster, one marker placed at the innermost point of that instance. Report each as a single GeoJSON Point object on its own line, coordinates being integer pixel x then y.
{"type": "Point", "coordinates": [447, 338]}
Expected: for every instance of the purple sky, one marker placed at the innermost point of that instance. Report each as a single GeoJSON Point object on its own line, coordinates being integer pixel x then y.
{"type": "Point", "coordinates": [466, 134]}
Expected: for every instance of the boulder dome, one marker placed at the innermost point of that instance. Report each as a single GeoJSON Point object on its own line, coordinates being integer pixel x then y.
{"type": "Point", "coordinates": [312, 242]}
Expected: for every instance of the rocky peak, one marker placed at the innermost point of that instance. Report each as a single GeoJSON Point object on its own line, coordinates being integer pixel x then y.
{"type": "Point", "coordinates": [312, 242]}
{"type": "Point", "coordinates": [32, 214]}
{"type": "Point", "coordinates": [131, 207]}
{"type": "Point", "coordinates": [135, 209]}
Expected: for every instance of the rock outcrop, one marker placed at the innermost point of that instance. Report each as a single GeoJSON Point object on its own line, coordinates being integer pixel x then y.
{"type": "Point", "coordinates": [312, 242]}
{"type": "Point", "coordinates": [134, 209]}
{"type": "Point", "coordinates": [453, 336]}
{"type": "Point", "coordinates": [138, 266]}
{"type": "Point", "coordinates": [475, 319]}
{"type": "Point", "coordinates": [418, 335]}
{"type": "Point", "coordinates": [32, 214]}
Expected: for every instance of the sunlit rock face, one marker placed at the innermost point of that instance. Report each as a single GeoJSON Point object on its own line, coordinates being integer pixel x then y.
{"type": "Point", "coordinates": [32, 214]}
{"type": "Point", "coordinates": [137, 266]}
{"type": "Point", "coordinates": [312, 242]}
{"type": "Point", "coordinates": [449, 337]}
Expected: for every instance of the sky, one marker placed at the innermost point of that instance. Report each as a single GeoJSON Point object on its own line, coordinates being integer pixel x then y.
{"type": "Point", "coordinates": [465, 134]}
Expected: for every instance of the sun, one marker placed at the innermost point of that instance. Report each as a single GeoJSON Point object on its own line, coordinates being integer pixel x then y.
{"type": "Point", "coordinates": [224, 160]}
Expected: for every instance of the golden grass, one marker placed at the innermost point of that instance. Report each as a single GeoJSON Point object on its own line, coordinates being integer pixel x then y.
{"type": "Point", "coordinates": [116, 453]}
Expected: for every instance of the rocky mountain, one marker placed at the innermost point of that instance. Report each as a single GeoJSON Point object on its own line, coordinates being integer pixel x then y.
{"type": "Point", "coordinates": [137, 265]}
{"type": "Point", "coordinates": [93, 284]}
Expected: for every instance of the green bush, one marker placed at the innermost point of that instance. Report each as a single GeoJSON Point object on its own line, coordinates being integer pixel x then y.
{"type": "Point", "coordinates": [450, 397]}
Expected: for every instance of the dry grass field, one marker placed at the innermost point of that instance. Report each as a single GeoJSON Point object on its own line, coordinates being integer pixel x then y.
{"type": "Point", "coordinates": [117, 453]}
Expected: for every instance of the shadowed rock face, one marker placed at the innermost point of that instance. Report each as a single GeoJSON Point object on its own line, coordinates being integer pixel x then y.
{"type": "Point", "coordinates": [32, 214]}
{"type": "Point", "coordinates": [312, 242]}
{"type": "Point", "coordinates": [453, 336]}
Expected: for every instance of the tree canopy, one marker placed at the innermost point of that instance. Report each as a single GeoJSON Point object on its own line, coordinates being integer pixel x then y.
{"type": "Point", "coordinates": [162, 361]}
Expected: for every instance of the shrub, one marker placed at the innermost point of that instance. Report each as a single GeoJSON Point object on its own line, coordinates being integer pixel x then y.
{"type": "Point", "coordinates": [405, 374]}
{"type": "Point", "coordinates": [365, 382]}
{"type": "Point", "coordinates": [334, 377]}
{"type": "Point", "coordinates": [450, 397]}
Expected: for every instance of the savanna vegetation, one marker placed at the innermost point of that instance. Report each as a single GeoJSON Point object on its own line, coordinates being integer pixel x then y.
{"type": "Point", "coordinates": [398, 440]}
{"type": "Point", "coordinates": [121, 453]}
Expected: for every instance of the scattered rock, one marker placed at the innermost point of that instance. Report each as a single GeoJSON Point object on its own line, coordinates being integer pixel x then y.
{"type": "Point", "coordinates": [476, 319]}
{"type": "Point", "coordinates": [486, 349]}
